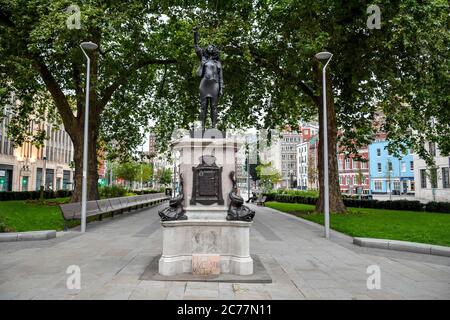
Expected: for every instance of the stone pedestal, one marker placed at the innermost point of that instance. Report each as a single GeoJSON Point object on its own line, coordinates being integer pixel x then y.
{"type": "Point", "coordinates": [192, 149]}
{"type": "Point", "coordinates": [206, 243]}
{"type": "Point", "coordinates": [187, 238]}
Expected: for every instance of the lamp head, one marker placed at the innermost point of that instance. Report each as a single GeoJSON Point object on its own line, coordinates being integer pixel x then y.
{"type": "Point", "coordinates": [323, 56]}
{"type": "Point", "coordinates": [89, 45]}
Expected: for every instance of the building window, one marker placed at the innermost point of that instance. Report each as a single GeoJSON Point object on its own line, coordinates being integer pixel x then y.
{"type": "Point", "coordinates": [378, 185]}
{"type": "Point", "coordinates": [396, 185]}
{"type": "Point", "coordinates": [403, 166]}
{"type": "Point", "coordinates": [379, 167]}
{"type": "Point", "coordinates": [347, 163]}
{"type": "Point", "coordinates": [423, 178]}
{"type": "Point", "coordinates": [378, 152]}
{"type": "Point", "coordinates": [413, 186]}
{"type": "Point", "coordinates": [390, 166]}
{"type": "Point", "coordinates": [411, 165]}
{"type": "Point", "coordinates": [432, 148]}
{"type": "Point", "coordinates": [445, 178]}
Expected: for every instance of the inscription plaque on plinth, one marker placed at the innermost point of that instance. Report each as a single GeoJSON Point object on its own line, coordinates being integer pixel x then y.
{"type": "Point", "coordinates": [207, 182]}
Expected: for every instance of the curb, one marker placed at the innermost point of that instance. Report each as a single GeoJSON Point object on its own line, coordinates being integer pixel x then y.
{"type": "Point", "coordinates": [27, 236]}
{"type": "Point", "coordinates": [317, 226]}
{"type": "Point", "coordinates": [386, 244]}
{"type": "Point", "coordinates": [403, 246]}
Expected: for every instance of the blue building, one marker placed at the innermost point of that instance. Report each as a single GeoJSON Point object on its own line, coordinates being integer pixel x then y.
{"type": "Point", "coordinates": [388, 173]}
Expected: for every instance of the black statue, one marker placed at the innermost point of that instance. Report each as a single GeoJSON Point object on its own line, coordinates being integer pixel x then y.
{"type": "Point", "coordinates": [237, 210]}
{"type": "Point", "coordinates": [175, 210]}
{"type": "Point", "coordinates": [211, 85]}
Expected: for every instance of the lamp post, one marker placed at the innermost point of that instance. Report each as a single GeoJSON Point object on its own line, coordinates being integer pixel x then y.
{"type": "Point", "coordinates": [325, 57]}
{"type": "Point", "coordinates": [248, 167]}
{"type": "Point", "coordinates": [142, 160]}
{"type": "Point", "coordinates": [85, 46]}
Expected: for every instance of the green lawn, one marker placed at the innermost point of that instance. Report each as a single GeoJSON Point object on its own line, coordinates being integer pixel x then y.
{"type": "Point", "coordinates": [423, 227]}
{"type": "Point", "coordinates": [30, 215]}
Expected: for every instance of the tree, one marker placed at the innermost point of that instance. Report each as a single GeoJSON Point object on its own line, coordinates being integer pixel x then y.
{"type": "Point", "coordinates": [267, 175]}
{"type": "Point", "coordinates": [164, 176]}
{"type": "Point", "coordinates": [312, 172]}
{"type": "Point", "coordinates": [43, 67]}
{"type": "Point", "coordinates": [372, 71]}
{"type": "Point", "coordinates": [252, 155]}
{"type": "Point", "coordinates": [145, 173]}
{"type": "Point", "coordinates": [271, 78]}
{"type": "Point", "coordinates": [432, 174]}
{"type": "Point", "coordinates": [128, 171]}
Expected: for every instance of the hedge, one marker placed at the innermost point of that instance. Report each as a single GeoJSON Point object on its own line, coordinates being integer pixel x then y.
{"type": "Point", "coordinates": [29, 195]}
{"type": "Point", "coordinates": [443, 207]}
{"type": "Point", "coordinates": [147, 191]}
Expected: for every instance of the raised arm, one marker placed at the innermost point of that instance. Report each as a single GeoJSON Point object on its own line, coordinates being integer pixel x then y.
{"type": "Point", "coordinates": [198, 50]}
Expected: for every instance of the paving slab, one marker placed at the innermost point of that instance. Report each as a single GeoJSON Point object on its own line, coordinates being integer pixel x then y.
{"type": "Point", "coordinates": [259, 275]}
{"type": "Point", "coordinates": [115, 255]}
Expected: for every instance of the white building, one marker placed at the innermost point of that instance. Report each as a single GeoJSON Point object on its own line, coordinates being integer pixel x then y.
{"type": "Point", "coordinates": [271, 152]}
{"type": "Point", "coordinates": [21, 168]}
{"type": "Point", "coordinates": [302, 166]}
{"type": "Point", "coordinates": [424, 185]}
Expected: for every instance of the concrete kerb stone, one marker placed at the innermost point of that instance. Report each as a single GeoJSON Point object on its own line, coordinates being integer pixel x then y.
{"type": "Point", "coordinates": [8, 237]}
{"type": "Point", "coordinates": [402, 246]}
{"type": "Point", "coordinates": [440, 251]}
{"type": "Point", "coordinates": [27, 236]}
{"type": "Point", "coordinates": [386, 244]}
{"type": "Point", "coordinates": [335, 233]}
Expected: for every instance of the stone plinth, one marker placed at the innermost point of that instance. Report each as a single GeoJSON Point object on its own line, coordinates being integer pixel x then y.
{"type": "Point", "coordinates": [191, 149]}
{"type": "Point", "coordinates": [184, 239]}
{"type": "Point", "coordinates": [206, 212]}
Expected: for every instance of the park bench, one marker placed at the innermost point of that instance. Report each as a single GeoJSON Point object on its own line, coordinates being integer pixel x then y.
{"type": "Point", "coordinates": [72, 211]}
{"type": "Point", "coordinates": [261, 201]}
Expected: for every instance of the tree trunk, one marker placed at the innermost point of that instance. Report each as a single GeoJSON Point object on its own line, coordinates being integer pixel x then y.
{"type": "Point", "coordinates": [92, 177]}
{"type": "Point", "coordinates": [336, 203]}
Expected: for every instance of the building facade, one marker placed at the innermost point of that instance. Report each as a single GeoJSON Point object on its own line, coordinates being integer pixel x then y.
{"type": "Point", "coordinates": [313, 162]}
{"type": "Point", "coordinates": [152, 145]}
{"type": "Point", "coordinates": [427, 187]}
{"type": "Point", "coordinates": [289, 142]}
{"type": "Point", "coordinates": [354, 173]}
{"type": "Point", "coordinates": [302, 166]}
{"type": "Point", "coordinates": [389, 173]}
{"type": "Point", "coordinates": [26, 168]}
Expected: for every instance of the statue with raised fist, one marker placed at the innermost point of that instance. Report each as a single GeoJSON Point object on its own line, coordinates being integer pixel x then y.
{"type": "Point", "coordinates": [211, 83]}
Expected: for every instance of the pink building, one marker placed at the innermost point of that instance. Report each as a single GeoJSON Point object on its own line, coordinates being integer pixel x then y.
{"type": "Point", "coordinates": [354, 175]}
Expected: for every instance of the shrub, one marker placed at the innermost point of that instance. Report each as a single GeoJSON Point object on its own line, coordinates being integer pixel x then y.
{"type": "Point", "coordinates": [408, 205]}
{"type": "Point", "coordinates": [113, 191]}
{"type": "Point", "coordinates": [303, 193]}
{"type": "Point", "coordinates": [434, 206]}
{"type": "Point", "coordinates": [146, 191]}
{"type": "Point", "coordinates": [31, 195]}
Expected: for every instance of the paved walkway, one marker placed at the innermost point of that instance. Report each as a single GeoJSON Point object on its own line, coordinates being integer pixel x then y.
{"type": "Point", "coordinates": [303, 265]}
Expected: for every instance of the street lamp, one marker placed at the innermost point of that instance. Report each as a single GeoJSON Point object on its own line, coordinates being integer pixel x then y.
{"type": "Point", "coordinates": [325, 57]}
{"type": "Point", "coordinates": [85, 46]}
